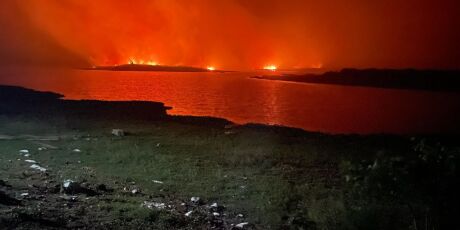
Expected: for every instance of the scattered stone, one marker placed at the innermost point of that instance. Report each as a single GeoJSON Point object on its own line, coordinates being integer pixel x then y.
{"type": "Point", "coordinates": [240, 216]}
{"type": "Point", "coordinates": [22, 151]}
{"type": "Point", "coordinates": [214, 205]}
{"type": "Point", "coordinates": [158, 144]}
{"type": "Point", "coordinates": [24, 194]}
{"type": "Point", "coordinates": [41, 148]}
{"type": "Point", "coordinates": [157, 182]}
{"type": "Point", "coordinates": [118, 132]}
{"type": "Point", "coordinates": [38, 167]}
{"type": "Point", "coordinates": [76, 150]}
{"type": "Point", "coordinates": [72, 187]}
{"type": "Point", "coordinates": [188, 213]}
{"type": "Point", "coordinates": [152, 205]}
{"type": "Point", "coordinates": [27, 155]}
{"type": "Point", "coordinates": [30, 161]}
{"type": "Point", "coordinates": [215, 214]}
{"type": "Point", "coordinates": [135, 191]}
{"type": "Point", "coordinates": [195, 199]}
{"type": "Point", "coordinates": [241, 225]}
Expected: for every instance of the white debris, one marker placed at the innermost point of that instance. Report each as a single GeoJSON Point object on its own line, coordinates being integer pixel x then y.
{"type": "Point", "coordinates": [214, 205]}
{"type": "Point", "coordinates": [38, 167]}
{"type": "Point", "coordinates": [241, 225]}
{"type": "Point", "coordinates": [188, 213]}
{"type": "Point", "coordinates": [152, 205]}
{"type": "Point", "coordinates": [27, 155]}
{"type": "Point", "coordinates": [215, 214]}
{"type": "Point", "coordinates": [195, 199]}
{"type": "Point", "coordinates": [157, 182]}
{"type": "Point", "coordinates": [30, 161]}
{"type": "Point", "coordinates": [22, 151]}
{"type": "Point", "coordinates": [76, 150]}
{"type": "Point", "coordinates": [24, 194]}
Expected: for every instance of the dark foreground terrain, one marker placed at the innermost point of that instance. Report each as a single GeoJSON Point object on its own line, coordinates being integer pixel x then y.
{"type": "Point", "coordinates": [435, 80]}
{"type": "Point", "coordinates": [61, 167]}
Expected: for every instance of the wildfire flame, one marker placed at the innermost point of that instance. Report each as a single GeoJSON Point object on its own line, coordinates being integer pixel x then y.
{"type": "Point", "coordinates": [133, 61]}
{"type": "Point", "coordinates": [211, 68]}
{"type": "Point", "coordinates": [270, 67]}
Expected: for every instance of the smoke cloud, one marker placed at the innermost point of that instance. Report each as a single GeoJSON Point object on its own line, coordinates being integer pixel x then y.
{"type": "Point", "coordinates": [234, 34]}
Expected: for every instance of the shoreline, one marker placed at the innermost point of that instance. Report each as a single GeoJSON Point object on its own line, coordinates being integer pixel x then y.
{"type": "Point", "coordinates": [151, 173]}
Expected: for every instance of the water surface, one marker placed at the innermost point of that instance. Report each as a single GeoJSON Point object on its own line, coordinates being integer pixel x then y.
{"type": "Point", "coordinates": [237, 97]}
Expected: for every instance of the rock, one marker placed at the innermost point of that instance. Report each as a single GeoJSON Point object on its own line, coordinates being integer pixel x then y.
{"type": "Point", "coordinates": [23, 151]}
{"type": "Point", "coordinates": [189, 213]}
{"type": "Point", "coordinates": [118, 132]}
{"type": "Point", "coordinates": [76, 150]}
{"type": "Point", "coordinates": [38, 167]}
{"type": "Point", "coordinates": [30, 161]}
{"type": "Point", "coordinates": [214, 205]}
{"type": "Point", "coordinates": [195, 199]}
{"type": "Point", "coordinates": [157, 182]}
{"type": "Point", "coordinates": [41, 148]}
{"type": "Point", "coordinates": [24, 194]}
{"type": "Point", "coordinates": [152, 205]}
{"type": "Point", "coordinates": [216, 214]}
{"type": "Point", "coordinates": [27, 155]}
{"type": "Point", "coordinates": [241, 225]}
{"type": "Point", "coordinates": [240, 216]}
{"type": "Point", "coordinates": [72, 187]}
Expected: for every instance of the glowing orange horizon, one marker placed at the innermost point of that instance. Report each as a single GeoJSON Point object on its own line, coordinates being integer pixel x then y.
{"type": "Point", "coordinates": [271, 67]}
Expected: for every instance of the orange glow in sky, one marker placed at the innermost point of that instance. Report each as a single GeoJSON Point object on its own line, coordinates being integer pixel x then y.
{"type": "Point", "coordinates": [235, 34]}
{"type": "Point", "coordinates": [270, 67]}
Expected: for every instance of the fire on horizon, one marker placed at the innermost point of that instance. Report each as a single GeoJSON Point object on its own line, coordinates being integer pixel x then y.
{"type": "Point", "coordinates": [233, 34]}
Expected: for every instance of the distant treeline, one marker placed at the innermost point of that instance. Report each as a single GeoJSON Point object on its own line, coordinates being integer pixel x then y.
{"type": "Point", "coordinates": [436, 80]}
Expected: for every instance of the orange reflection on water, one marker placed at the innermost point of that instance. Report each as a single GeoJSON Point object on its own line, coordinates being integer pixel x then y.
{"type": "Point", "coordinates": [235, 96]}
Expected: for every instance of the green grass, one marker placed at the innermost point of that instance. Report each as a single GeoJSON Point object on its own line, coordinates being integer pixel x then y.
{"type": "Point", "coordinates": [273, 177]}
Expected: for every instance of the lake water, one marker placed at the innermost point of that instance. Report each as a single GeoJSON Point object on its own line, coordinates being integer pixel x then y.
{"type": "Point", "coordinates": [237, 97]}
